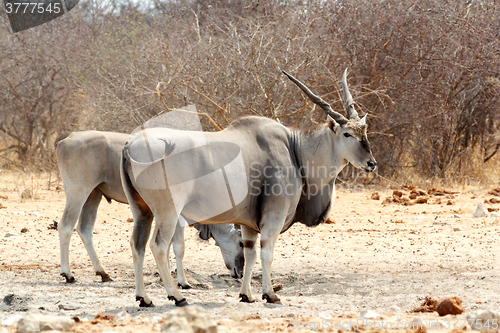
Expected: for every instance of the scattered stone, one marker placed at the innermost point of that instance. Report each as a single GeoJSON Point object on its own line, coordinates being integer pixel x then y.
{"type": "Point", "coordinates": [451, 305]}
{"type": "Point", "coordinates": [130, 219]}
{"type": "Point", "coordinates": [480, 210]}
{"type": "Point", "coordinates": [429, 305]}
{"type": "Point", "coordinates": [395, 309]}
{"type": "Point", "coordinates": [456, 216]}
{"type": "Point", "coordinates": [277, 287]}
{"type": "Point", "coordinates": [370, 315]}
{"type": "Point", "coordinates": [11, 234]}
{"type": "Point", "coordinates": [418, 218]}
{"type": "Point", "coordinates": [69, 307]}
{"type": "Point", "coordinates": [375, 196]}
{"type": "Point", "coordinates": [37, 322]}
{"type": "Point", "coordinates": [102, 317]}
{"type": "Point", "coordinates": [387, 201]}
{"type": "Point", "coordinates": [397, 194]}
{"type": "Point", "coordinates": [439, 223]}
{"type": "Point", "coordinates": [189, 319]}
{"type": "Point", "coordinates": [27, 194]}
{"type": "Point", "coordinates": [13, 302]}
{"type": "Point", "coordinates": [53, 225]}
{"type": "Point", "coordinates": [413, 195]}
{"type": "Point", "coordinates": [4, 197]}
{"type": "Point", "coordinates": [2, 206]}
{"type": "Point", "coordinates": [483, 319]}
{"type": "Point", "coordinates": [11, 321]}
{"type": "Point", "coordinates": [494, 201]}
{"type": "Point", "coordinates": [122, 316]}
{"type": "Point", "coordinates": [495, 192]}
{"type": "Point", "coordinates": [495, 214]}
{"type": "Point", "coordinates": [24, 230]}
{"type": "Point", "coordinates": [491, 209]}
{"type": "Point", "coordinates": [458, 229]}
{"type": "Point", "coordinates": [422, 200]}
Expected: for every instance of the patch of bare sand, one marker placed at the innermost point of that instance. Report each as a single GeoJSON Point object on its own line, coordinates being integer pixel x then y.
{"type": "Point", "coordinates": [372, 255]}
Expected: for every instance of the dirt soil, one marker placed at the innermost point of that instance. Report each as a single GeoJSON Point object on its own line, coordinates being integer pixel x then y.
{"type": "Point", "coordinates": [372, 255]}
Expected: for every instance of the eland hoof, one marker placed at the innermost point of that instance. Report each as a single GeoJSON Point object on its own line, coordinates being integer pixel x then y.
{"type": "Point", "coordinates": [180, 303]}
{"type": "Point", "coordinates": [245, 299]}
{"type": "Point", "coordinates": [70, 279]}
{"type": "Point", "coordinates": [272, 300]}
{"type": "Point", "coordinates": [184, 286]}
{"type": "Point", "coordinates": [104, 276]}
{"type": "Point", "coordinates": [142, 303]}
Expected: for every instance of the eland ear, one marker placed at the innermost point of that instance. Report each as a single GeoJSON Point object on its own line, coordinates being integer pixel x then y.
{"type": "Point", "coordinates": [363, 120]}
{"type": "Point", "coordinates": [332, 124]}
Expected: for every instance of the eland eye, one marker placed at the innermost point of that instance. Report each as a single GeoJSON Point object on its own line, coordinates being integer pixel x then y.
{"type": "Point", "coordinates": [347, 135]}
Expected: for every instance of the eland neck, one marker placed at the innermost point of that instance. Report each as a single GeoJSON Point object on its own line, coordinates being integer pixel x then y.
{"type": "Point", "coordinates": [318, 160]}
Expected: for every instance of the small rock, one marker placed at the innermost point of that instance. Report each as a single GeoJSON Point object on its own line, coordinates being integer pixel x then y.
{"type": "Point", "coordinates": [11, 321]}
{"type": "Point", "coordinates": [24, 230]}
{"type": "Point", "coordinates": [429, 305]}
{"type": "Point", "coordinates": [69, 307]}
{"type": "Point", "coordinates": [480, 210]}
{"type": "Point", "coordinates": [451, 305]}
{"type": "Point", "coordinates": [456, 216]}
{"type": "Point", "coordinates": [38, 322]}
{"type": "Point", "coordinates": [482, 319]}
{"type": "Point", "coordinates": [397, 194]}
{"type": "Point", "coordinates": [11, 234]}
{"type": "Point", "coordinates": [122, 316]}
{"type": "Point", "coordinates": [375, 196]}
{"type": "Point", "coordinates": [277, 287]}
{"type": "Point", "coordinates": [188, 319]}
{"type": "Point", "coordinates": [387, 201]}
{"type": "Point", "coordinates": [458, 229]}
{"type": "Point", "coordinates": [27, 194]}
{"type": "Point", "coordinates": [370, 315]}
{"type": "Point", "coordinates": [422, 200]}
{"type": "Point", "coordinates": [494, 214]}
{"type": "Point", "coordinates": [395, 309]}
{"type": "Point", "coordinates": [130, 219]}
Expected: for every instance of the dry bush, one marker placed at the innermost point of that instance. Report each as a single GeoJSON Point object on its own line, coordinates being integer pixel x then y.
{"type": "Point", "coordinates": [426, 72]}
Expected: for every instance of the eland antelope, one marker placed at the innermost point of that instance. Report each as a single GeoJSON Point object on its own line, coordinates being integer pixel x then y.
{"type": "Point", "coordinates": [89, 163]}
{"type": "Point", "coordinates": [284, 176]}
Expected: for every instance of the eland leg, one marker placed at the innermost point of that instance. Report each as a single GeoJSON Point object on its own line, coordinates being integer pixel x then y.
{"type": "Point", "coordinates": [72, 210]}
{"type": "Point", "coordinates": [85, 229]}
{"type": "Point", "coordinates": [142, 228]}
{"type": "Point", "coordinates": [179, 247]}
{"type": "Point", "coordinates": [249, 237]}
{"type": "Point", "coordinates": [269, 235]}
{"type": "Point", "coordinates": [160, 246]}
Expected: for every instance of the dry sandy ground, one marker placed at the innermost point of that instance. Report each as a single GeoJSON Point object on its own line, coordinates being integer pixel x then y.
{"type": "Point", "coordinates": [371, 256]}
